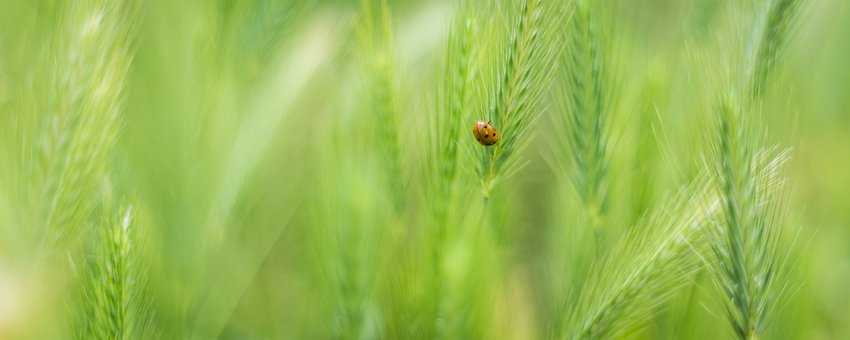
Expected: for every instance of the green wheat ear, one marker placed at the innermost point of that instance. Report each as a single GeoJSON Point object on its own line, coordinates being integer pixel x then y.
{"type": "Point", "coordinates": [515, 84]}
{"type": "Point", "coordinates": [375, 38]}
{"type": "Point", "coordinates": [454, 95]}
{"type": "Point", "coordinates": [92, 57]}
{"type": "Point", "coordinates": [585, 105]}
{"type": "Point", "coordinates": [112, 300]}
{"type": "Point", "coordinates": [90, 60]}
{"type": "Point", "coordinates": [780, 20]}
{"type": "Point", "coordinates": [645, 268]}
{"type": "Point", "coordinates": [749, 263]}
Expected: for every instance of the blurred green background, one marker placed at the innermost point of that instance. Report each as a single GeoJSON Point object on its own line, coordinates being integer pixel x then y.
{"type": "Point", "coordinates": [247, 147]}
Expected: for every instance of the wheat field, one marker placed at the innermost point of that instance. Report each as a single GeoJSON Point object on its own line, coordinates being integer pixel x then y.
{"type": "Point", "coordinates": [446, 169]}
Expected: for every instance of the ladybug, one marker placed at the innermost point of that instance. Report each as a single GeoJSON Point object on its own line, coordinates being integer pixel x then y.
{"type": "Point", "coordinates": [485, 133]}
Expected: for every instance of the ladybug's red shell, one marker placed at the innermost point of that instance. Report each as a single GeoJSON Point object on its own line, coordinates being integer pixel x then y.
{"type": "Point", "coordinates": [485, 133]}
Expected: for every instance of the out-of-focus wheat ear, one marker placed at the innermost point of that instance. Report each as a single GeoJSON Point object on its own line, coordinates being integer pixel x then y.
{"type": "Point", "coordinates": [454, 96]}
{"type": "Point", "coordinates": [93, 53]}
{"type": "Point", "coordinates": [779, 22]}
{"type": "Point", "coordinates": [583, 110]}
{"type": "Point", "coordinates": [375, 39]}
{"type": "Point", "coordinates": [645, 268]}
{"type": "Point", "coordinates": [444, 136]}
